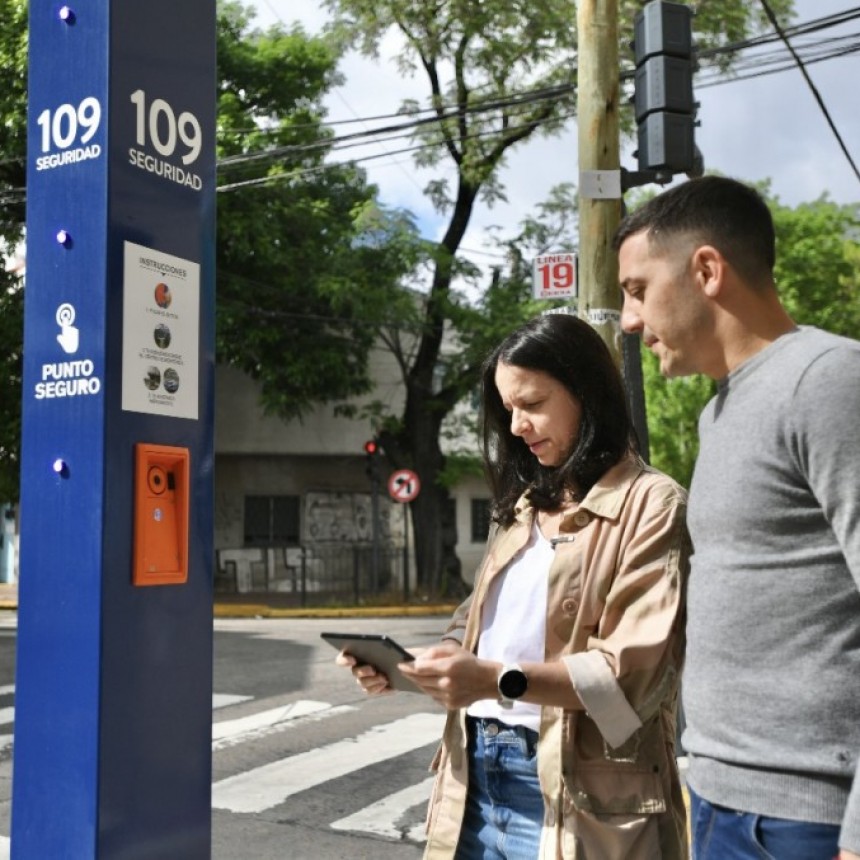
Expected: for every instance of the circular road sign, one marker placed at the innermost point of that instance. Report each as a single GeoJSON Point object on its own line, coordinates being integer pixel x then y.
{"type": "Point", "coordinates": [403, 485]}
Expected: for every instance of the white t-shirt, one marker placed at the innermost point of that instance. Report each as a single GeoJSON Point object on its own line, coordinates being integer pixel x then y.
{"type": "Point", "coordinates": [513, 624]}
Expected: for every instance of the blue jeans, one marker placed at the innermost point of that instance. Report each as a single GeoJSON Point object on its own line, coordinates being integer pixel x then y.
{"type": "Point", "coordinates": [504, 805]}
{"type": "Point", "coordinates": [724, 834]}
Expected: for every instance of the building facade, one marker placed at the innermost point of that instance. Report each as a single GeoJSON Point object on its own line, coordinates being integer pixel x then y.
{"type": "Point", "coordinates": [296, 511]}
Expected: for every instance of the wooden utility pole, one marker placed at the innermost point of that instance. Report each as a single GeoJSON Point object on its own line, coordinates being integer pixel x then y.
{"type": "Point", "coordinates": [599, 168]}
{"type": "Point", "coordinates": [600, 195]}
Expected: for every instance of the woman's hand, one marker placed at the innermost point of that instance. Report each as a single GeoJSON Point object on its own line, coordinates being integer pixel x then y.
{"type": "Point", "coordinates": [373, 683]}
{"type": "Point", "coordinates": [452, 676]}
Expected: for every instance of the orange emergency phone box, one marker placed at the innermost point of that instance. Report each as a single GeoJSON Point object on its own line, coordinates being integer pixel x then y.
{"type": "Point", "coordinates": [161, 490]}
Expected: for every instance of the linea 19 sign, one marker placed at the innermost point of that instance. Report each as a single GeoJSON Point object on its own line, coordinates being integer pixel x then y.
{"type": "Point", "coordinates": [554, 276]}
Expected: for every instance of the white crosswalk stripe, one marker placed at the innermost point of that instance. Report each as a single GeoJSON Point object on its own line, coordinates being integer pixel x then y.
{"type": "Point", "coordinates": [397, 816]}
{"type": "Point", "coordinates": [223, 700]}
{"type": "Point", "coordinates": [231, 732]}
{"type": "Point", "coordinates": [271, 784]}
{"type": "Point", "coordinates": [382, 818]}
{"type": "Point", "coordinates": [225, 733]}
{"type": "Point", "coordinates": [7, 718]}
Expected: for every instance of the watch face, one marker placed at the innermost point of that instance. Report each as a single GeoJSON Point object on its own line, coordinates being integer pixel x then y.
{"type": "Point", "coordinates": [513, 683]}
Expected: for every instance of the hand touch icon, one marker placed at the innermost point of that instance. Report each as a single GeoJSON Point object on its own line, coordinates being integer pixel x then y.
{"type": "Point", "coordinates": [69, 336]}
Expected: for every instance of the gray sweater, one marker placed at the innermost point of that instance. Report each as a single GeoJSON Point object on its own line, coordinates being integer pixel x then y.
{"type": "Point", "coordinates": [771, 686]}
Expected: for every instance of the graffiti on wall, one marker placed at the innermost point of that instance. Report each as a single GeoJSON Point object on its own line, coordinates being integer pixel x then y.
{"type": "Point", "coordinates": [343, 518]}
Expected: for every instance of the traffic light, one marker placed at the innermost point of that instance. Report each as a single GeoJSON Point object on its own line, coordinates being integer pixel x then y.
{"type": "Point", "coordinates": [371, 465]}
{"type": "Point", "coordinates": [663, 93]}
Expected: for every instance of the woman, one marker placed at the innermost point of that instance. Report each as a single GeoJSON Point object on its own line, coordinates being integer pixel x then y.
{"type": "Point", "coordinates": [560, 671]}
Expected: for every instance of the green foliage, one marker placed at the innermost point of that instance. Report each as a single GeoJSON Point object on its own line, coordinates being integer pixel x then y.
{"type": "Point", "coordinates": [13, 144]}
{"type": "Point", "coordinates": [673, 407]}
{"type": "Point", "coordinates": [497, 72]}
{"type": "Point", "coordinates": [816, 271]}
{"type": "Point", "coordinates": [11, 368]}
{"type": "Point", "coordinates": [305, 257]}
{"type": "Point", "coordinates": [458, 467]}
{"type": "Point", "coordinates": [818, 249]}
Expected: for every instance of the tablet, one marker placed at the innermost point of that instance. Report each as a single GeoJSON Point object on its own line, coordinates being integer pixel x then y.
{"type": "Point", "coordinates": [377, 650]}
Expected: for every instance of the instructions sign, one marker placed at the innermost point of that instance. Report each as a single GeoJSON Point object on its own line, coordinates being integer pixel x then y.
{"type": "Point", "coordinates": [403, 485]}
{"type": "Point", "coordinates": [554, 276]}
{"type": "Point", "coordinates": [160, 333]}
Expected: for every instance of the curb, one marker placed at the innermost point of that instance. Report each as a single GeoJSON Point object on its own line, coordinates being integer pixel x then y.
{"type": "Point", "coordinates": [262, 610]}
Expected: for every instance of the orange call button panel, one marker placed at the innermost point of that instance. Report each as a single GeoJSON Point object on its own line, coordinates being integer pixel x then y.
{"type": "Point", "coordinates": [161, 497]}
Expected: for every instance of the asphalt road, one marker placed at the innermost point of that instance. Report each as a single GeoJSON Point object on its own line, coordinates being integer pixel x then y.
{"type": "Point", "coordinates": [304, 764]}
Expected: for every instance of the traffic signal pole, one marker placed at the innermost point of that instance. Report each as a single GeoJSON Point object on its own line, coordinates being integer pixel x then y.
{"type": "Point", "coordinates": [372, 454]}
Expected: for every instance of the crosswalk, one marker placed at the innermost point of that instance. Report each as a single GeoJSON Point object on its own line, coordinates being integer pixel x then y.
{"type": "Point", "coordinates": [271, 784]}
{"type": "Point", "coordinates": [7, 718]}
{"type": "Point", "coordinates": [355, 745]}
{"type": "Point", "coordinates": [262, 788]}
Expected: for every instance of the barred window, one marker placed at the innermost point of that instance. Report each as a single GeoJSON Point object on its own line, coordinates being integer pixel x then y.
{"type": "Point", "coordinates": [271, 520]}
{"type": "Point", "coordinates": [480, 520]}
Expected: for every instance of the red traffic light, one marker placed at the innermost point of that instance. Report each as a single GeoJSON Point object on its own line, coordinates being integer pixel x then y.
{"type": "Point", "coordinates": [371, 446]}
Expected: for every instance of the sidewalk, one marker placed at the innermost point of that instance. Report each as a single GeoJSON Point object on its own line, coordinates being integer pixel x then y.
{"type": "Point", "coordinates": [275, 605]}
{"type": "Point", "coordinates": [8, 596]}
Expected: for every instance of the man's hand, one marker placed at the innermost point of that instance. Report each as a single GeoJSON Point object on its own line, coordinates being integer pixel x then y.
{"type": "Point", "coordinates": [848, 855]}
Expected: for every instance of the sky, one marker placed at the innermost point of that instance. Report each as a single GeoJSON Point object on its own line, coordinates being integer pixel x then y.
{"type": "Point", "coordinates": [769, 127]}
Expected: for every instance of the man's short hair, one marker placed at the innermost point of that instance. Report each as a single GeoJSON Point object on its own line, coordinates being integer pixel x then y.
{"type": "Point", "coordinates": [711, 210]}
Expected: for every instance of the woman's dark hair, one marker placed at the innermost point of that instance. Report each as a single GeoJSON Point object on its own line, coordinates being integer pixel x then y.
{"type": "Point", "coordinates": [571, 351]}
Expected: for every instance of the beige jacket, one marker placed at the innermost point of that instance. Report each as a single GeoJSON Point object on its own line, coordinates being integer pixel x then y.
{"type": "Point", "coordinates": [615, 617]}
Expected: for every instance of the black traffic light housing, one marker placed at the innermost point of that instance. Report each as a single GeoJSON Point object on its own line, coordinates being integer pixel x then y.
{"type": "Point", "coordinates": [372, 451]}
{"type": "Point", "coordinates": [663, 93]}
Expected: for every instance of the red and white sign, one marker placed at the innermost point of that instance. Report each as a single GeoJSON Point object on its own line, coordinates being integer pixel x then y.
{"type": "Point", "coordinates": [403, 485]}
{"type": "Point", "coordinates": [554, 276]}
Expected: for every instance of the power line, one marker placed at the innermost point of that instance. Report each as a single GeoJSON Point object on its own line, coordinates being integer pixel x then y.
{"type": "Point", "coordinates": [827, 49]}
{"type": "Point", "coordinates": [812, 26]}
{"type": "Point", "coordinates": [516, 100]}
{"type": "Point", "coordinates": [818, 51]}
{"type": "Point", "coordinates": [293, 175]}
{"type": "Point", "coordinates": [816, 94]}
{"type": "Point", "coordinates": [349, 107]}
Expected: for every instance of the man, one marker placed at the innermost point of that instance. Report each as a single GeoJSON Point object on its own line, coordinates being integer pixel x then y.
{"type": "Point", "coordinates": [771, 685]}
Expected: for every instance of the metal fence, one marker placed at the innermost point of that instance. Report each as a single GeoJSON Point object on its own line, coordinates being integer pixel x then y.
{"type": "Point", "coordinates": [321, 574]}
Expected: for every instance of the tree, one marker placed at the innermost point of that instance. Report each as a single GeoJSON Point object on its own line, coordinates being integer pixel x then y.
{"type": "Point", "coordinates": [818, 248]}
{"type": "Point", "coordinates": [301, 265]}
{"type": "Point", "coordinates": [13, 144]}
{"type": "Point", "coordinates": [497, 72]}
{"type": "Point", "coordinates": [298, 256]}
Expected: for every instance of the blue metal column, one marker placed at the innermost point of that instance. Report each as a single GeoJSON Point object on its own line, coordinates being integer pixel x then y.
{"type": "Point", "coordinates": [112, 755]}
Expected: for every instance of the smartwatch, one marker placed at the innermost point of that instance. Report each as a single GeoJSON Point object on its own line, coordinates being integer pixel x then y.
{"type": "Point", "coordinates": [512, 684]}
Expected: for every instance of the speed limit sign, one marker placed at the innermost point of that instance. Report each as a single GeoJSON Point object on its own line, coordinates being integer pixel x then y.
{"type": "Point", "coordinates": [403, 485]}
